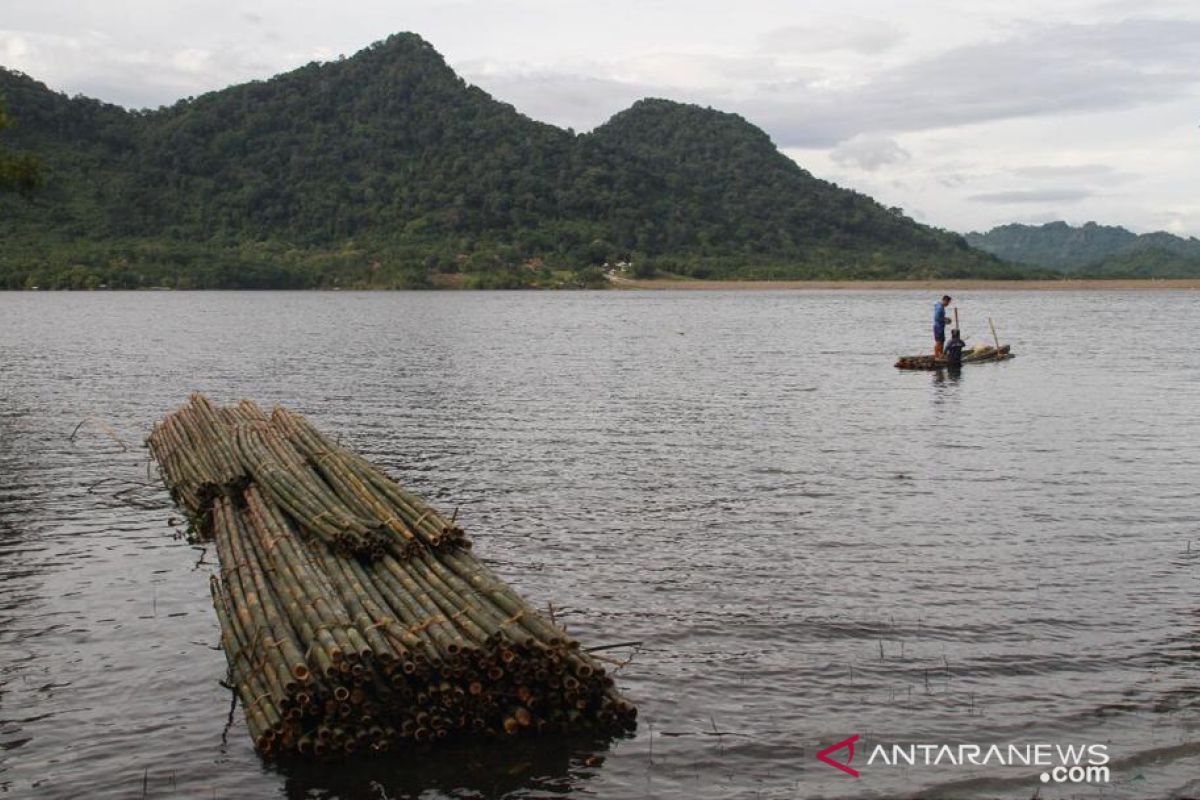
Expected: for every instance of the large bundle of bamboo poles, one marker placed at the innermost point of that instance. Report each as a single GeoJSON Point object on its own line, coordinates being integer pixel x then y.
{"type": "Point", "coordinates": [353, 615]}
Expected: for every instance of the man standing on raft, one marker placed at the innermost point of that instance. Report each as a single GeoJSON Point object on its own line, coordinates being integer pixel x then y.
{"type": "Point", "coordinates": [939, 325]}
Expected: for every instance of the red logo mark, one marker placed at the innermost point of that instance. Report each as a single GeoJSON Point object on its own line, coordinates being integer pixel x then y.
{"type": "Point", "coordinates": [823, 755]}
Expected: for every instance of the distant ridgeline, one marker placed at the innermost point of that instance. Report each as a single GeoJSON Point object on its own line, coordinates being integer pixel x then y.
{"type": "Point", "coordinates": [1093, 251]}
{"type": "Point", "coordinates": [387, 169]}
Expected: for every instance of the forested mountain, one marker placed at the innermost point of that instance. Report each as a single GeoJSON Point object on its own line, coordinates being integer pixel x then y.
{"type": "Point", "coordinates": [1093, 250]}
{"type": "Point", "coordinates": [19, 172]}
{"type": "Point", "coordinates": [386, 169]}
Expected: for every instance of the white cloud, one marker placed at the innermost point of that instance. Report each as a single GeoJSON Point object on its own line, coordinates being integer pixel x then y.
{"type": "Point", "coordinates": [1039, 70]}
{"type": "Point", "coordinates": [193, 60]}
{"type": "Point", "coordinates": [16, 49]}
{"type": "Point", "coordinates": [869, 152]}
{"type": "Point", "coordinates": [569, 101]}
{"type": "Point", "coordinates": [98, 65]}
{"type": "Point", "coordinates": [1042, 71]}
{"type": "Point", "coordinates": [856, 35]}
{"type": "Point", "coordinates": [1096, 174]}
{"type": "Point", "coordinates": [1040, 196]}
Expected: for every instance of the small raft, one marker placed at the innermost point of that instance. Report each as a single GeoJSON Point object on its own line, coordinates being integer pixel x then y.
{"type": "Point", "coordinates": [975, 356]}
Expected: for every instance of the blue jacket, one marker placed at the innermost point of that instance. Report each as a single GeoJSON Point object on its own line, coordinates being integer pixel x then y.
{"type": "Point", "coordinates": [939, 318]}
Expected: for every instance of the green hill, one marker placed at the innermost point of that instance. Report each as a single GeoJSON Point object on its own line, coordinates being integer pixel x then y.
{"type": "Point", "coordinates": [386, 169]}
{"type": "Point", "coordinates": [1092, 250]}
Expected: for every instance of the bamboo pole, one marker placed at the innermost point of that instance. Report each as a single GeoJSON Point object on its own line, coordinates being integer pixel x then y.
{"type": "Point", "coordinates": [352, 616]}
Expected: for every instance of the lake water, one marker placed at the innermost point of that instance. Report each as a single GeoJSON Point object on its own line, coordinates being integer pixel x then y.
{"type": "Point", "coordinates": [808, 543]}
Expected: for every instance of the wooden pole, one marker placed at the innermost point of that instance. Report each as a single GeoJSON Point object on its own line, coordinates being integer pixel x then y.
{"type": "Point", "coordinates": [995, 338]}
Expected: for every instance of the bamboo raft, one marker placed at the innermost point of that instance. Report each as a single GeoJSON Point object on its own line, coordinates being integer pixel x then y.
{"type": "Point", "coordinates": [353, 615]}
{"type": "Point", "coordinates": [1002, 353]}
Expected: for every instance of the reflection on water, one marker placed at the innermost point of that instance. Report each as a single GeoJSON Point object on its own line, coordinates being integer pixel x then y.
{"type": "Point", "coordinates": [494, 769]}
{"type": "Point", "coordinates": [947, 381]}
{"type": "Point", "coordinates": [809, 543]}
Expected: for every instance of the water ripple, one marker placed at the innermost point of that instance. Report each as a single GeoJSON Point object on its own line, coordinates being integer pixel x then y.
{"type": "Point", "coordinates": [807, 543]}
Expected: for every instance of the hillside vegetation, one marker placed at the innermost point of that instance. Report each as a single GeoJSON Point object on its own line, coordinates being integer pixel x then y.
{"type": "Point", "coordinates": [1093, 251]}
{"type": "Point", "coordinates": [387, 169]}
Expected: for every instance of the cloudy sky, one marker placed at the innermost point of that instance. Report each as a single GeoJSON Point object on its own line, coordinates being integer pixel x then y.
{"type": "Point", "coordinates": [966, 114]}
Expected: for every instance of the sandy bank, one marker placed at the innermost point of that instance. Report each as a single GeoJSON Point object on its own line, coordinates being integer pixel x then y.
{"type": "Point", "coordinates": [937, 285]}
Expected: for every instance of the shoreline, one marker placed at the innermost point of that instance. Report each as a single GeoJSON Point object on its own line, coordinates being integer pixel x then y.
{"type": "Point", "coordinates": [949, 285]}
{"type": "Point", "coordinates": [454, 284]}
